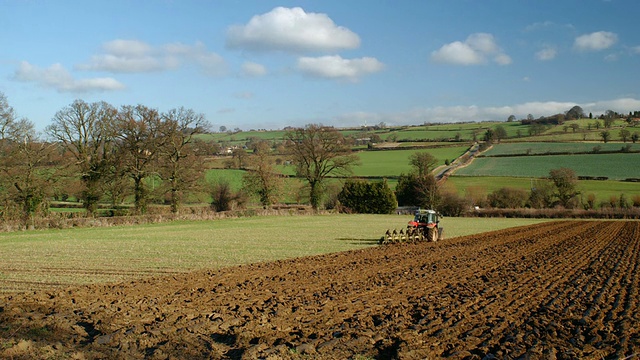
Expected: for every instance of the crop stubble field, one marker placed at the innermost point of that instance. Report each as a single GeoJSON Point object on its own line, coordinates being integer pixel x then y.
{"type": "Point", "coordinates": [564, 289]}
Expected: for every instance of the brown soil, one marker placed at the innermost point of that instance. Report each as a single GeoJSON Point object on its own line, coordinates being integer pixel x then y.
{"type": "Point", "coordinates": [560, 290]}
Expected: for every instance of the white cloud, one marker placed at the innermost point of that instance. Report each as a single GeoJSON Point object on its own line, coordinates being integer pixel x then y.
{"type": "Point", "coordinates": [450, 114]}
{"type": "Point", "coordinates": [475, 50]}
{"type": "Point", "coordinates": [57, 77]}
{"type": "Point", "coordinates": [293, 30]}
{"type": "Point", "coordinates": [547, 53]}
{"type": "Point", "coordinates": [335, 67]}
{"type": "Point", "coordinates": [596, 41]}
{"type": "Point", "coordinates": [635, 49]}
{"type": "Point", "coordinates": [253, 69]}
{"type": "Point", "coordinates": [133, 56]}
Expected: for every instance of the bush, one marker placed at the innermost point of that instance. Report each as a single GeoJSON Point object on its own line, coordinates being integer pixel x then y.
{"type": "Point", "coordinates": [367, 198]}
{"type": "Point", "coordinates": [223, 198]}
{"type": "Point", "coordinates": [508, 198]}
{"type": "Point", "coordinates": [452, 205]}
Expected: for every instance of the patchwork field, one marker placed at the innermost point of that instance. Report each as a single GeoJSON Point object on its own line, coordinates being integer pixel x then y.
{"type": "Point", "coordinates": [562, 290]}
{"type": "Point", "coordinates": [614, 166]}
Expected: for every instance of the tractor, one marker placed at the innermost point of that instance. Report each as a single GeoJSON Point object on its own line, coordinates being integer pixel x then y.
{"type": "Point", "coordinates": [426, 221]}
{"type": "Point", "coordinates": [423, 227]}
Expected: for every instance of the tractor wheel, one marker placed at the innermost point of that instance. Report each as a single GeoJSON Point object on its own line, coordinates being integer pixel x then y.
{"type": "Point", "coordinates": [432, 234]}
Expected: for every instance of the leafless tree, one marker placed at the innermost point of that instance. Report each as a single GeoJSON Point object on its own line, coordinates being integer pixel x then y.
{"type": "Point", "coordinates": [86, 132]}
{"type": "Point", "coordinates": [262, 179]}
{"type": "Point", "coordinates": [180, 168]}
{"type": "Point", "coordinates": [318, 151]}
{"type": "Point", "coordinates": [139, 142]}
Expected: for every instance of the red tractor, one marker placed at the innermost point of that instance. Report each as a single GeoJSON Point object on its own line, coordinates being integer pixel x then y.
{"type": "Point", "coordinates": [423, 227]}
{"type": "Point", "coordinates": [426, 221]}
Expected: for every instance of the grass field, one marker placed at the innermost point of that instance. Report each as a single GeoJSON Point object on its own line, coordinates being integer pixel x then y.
{"type": "Point", "coordinates": [37, 259]}
{"type": "Point", "coordinates": [603, 190]}
{"type": "Point", "coordinates": [395, 162]}
{"type": "Point", "coordinates": [614, 166]}
{"type": "Point", "coordinates": [546, 147]}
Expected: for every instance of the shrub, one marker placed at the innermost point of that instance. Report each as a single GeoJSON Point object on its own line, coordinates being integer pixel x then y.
{"type": "Point", "coordinates": [507, 198]}
{"type": "Point", "coordinates": [223, 198]}
{"type": "Point", "coordinates": [367, 198]}
{"type": "Point", "coordinates": [451, 204]}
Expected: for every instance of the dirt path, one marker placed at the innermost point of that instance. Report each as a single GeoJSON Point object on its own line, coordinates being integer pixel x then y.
{"type": "Point", "coordinates": [561, 290]}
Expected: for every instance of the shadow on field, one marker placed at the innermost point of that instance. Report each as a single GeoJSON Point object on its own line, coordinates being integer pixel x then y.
{"type": "Point", "coordinates": [356, 241]}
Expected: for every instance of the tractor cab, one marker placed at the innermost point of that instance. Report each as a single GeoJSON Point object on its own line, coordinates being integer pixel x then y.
{"type": "Point", "coordinates": [424, 218]}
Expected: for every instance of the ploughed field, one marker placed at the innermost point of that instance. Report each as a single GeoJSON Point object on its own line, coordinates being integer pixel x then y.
{"type": "Point", "coordinates": [562, 290]}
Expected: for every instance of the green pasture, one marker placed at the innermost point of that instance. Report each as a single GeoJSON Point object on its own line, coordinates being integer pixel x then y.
{"type": "Point", "coordinates": [536, 148]}
{"type": "Point", "coordinates": [394, 162]}
{"type": "Point", "coordinates": [32, 260]}
{"type": "Point", "coordinates": [603, 190]}
{"type": "Point", "coordinates": [614, 166]}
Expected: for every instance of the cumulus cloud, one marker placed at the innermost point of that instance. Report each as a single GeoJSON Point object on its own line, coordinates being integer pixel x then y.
{"type": "Point", "coordinates": [475, 50]}
{"type": "Point", "coordinates": [253, 69]}
{"type": "Point", "coordinates": [547, 53]}
{"type": "Point", "coordinates": [335, 67]}
{"type": "Point", "coordinates": [596, 41]}
{"type": "Point", "coordinates": [291, 30]}
{"type": "Point", "coordinates": [57, 77]}
{"type": "Point", "coordinates": [134, 56]}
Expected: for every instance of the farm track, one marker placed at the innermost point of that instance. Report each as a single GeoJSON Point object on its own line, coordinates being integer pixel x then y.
{"type": "Point", "coordinates": [563, 290]}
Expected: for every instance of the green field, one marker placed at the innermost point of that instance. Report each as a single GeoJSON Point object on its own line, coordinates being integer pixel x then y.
{"type": "Point", "coordinates": [603, 190]}
{"type": "Point", "coordinates": [614, 166]}
{"type": "Point", "coordinates": [395, 162]}
{"type": "Point", "coordinates": [41, 259]}
{"type": "Point", "coordinates": [536, 148]}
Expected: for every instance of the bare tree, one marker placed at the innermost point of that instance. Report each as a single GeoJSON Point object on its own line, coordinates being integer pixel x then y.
{"type": "Point", "coordinates": [25, 171]}
{"type": "Point", "coordinates": [262, 179]}
{"type": "Point", "coordinates": [139, 141]}
{"type": "Point", "coordinates": [423, 162]}
{"type": "Point", "coordinates": [7, 117]}
{"type": "Point", "coordinates": [318, 151]}
{"type": "Point", "coordinates": [86, 132]}
{"type": "Point", "coordinates": [179, 165]}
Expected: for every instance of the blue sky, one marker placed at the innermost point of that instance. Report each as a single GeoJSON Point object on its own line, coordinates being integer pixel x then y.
{"type": "Point", "coordinates": [262, 64]}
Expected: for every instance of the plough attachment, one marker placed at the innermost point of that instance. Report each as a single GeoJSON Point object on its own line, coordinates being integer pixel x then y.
{"type": "Point", "coordinates": [410, 235]}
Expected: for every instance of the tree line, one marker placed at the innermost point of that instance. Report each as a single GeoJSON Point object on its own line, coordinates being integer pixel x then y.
{"type": "Point", "coordinates": [97, 153]}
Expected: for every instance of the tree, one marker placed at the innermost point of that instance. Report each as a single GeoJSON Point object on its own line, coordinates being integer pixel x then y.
{"type": "Point", "coordinates": [318, 151]}
{"type": "Point", "coordinates": [575, 113]}
{"type": "Point", "coordinates": [139, 142]}
{"type": "Point", "coordinates": [489, 135]}
{"type": "Point", "coordinates": [635, 137]}
{"type": "Point", "coordinates": [605, 135]}
{"type": "Point", "coordinates": [574, 127]}
{"type": "Point", "coordinates": [262, 179]}
{"type": "Point", "coordinates": [511, 118]}
{"type": "Point", "coordinates": [507, 198]}
{"type": "Point", "coordinates": [541, 195]}
{"type": "Point", "coordinates": [7, 117]}
{"type": "Point", "coordinates": [26, 173]}
{"type": "Point", "coordinates": [86, 132]}
{"type": "Point", "coordinates": [624, 134]}
{"type": "Point", "coordinates": [179, 167]}
{"type": "Point", "coordinates": [423, 162]}
{"type": "Point", "coordinates": [223, 197]}
{"type": "Point", "coordinates": [500, 133]}
{"type": "Point", "coordinates": [367, 198]}
{"type": "Point", "coordinates": [566, 182]}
